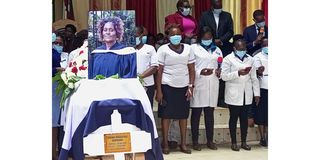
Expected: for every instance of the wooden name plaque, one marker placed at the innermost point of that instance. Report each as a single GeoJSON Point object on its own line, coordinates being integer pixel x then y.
{"type": "Point", "coordinates": [117, 142]}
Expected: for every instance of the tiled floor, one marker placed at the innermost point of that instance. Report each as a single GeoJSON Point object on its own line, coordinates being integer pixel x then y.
{"type": "Point", "coordinates": [223, 153]}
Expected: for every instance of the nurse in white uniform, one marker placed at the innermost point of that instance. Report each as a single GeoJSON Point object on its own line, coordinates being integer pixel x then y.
{"type": "Point", "coordinates": [206, 90]}
{"type": "Point", "coordinates": [242, 84]}
{"type": "Point", "coordinates": [261, 115]}
{"type": "Point", "coordinates": [147, 62]}
{"type": "Point", "coordinates": [175, 82]}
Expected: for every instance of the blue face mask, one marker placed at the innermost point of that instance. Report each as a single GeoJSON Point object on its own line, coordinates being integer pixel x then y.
{"type": "Point", "coordinates": [261, 24]}
{"type": "Point", "coordinates": [265, 50]}
{"type": "Point", "coordinates": [54, 37]}
{"type": "Point", "coordinates": [175, 40]}
{"type": "Point", "coordinates": [206, 42]}
{"type": "Point", "coordinates": [138, 40]}
{"type": "Point", "coordinates": [144, 39]}
{"type": "Point", "coordinates": [217, 11]}
{"type": "Point", "coordinates": [58, 48]}
{"type": "Point", "coordinates": [185, 11]}
{"type": "Point", "coordinates": [240, 53]}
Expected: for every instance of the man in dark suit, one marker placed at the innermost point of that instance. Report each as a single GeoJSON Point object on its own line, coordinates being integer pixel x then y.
{"type": "Point", "coordinates": [254, 33]}
{"type": "Point", "coordinates": [222, 25]}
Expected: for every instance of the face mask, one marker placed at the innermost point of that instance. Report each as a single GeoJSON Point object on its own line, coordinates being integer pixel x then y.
{"type": "Point", "coordinates": [240, 53]}
{"type": "Point", "coordinates": [144, 39]}
{"type": "Point", "coordinates": [265, 50]}
{"type": "Point", "coordinates": [206, 42]}
{"type": "Point", "coordinates": [261, 24]}
{"type": "Point", "coordinates": [58, 48]}
{"type": "Point", "coordinates": [185, 11]}
{"type": "Point", "coordinates": [160, 41]}
{"type": "Point", "coordinates": [138, 40]}
{"type": "Point", "coordinates": [175, 40]}
{"type": "Point", "coordinates": [217, 11]}
{"type": "Point", "coordinates": [54, 37]}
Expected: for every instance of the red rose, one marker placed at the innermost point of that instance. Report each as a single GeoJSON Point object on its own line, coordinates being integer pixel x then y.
{"type": "Point", "coordinates": [70, 64]}
{"type": "Point", "coordinates": [81, 52]}
{"type": "Point", "coordinates": [74, 70]}
{"type": "Point", "coordinates": [82, 68]}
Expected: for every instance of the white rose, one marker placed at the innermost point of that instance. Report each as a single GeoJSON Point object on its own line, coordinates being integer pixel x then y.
{"type": "Point", "coordinates": [71, 85]}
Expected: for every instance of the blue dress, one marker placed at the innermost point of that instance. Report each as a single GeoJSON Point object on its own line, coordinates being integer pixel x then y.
{"type": "Point", "coordinates": [55, 98]}
{"type": "Point", "coordinates": [111, 62]}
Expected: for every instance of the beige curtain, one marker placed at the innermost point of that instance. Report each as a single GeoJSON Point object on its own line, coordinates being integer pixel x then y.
{"type": "Point", "coordinates": [234, 7]}
{"type": "Point", "coordinates": [164, 8]}
{"type": "Point", "coordinates": [80, 11]}
{"type": "Point", "coordinates": [252, 5]}
{"type": "Point", "coordinates": [58, 10]}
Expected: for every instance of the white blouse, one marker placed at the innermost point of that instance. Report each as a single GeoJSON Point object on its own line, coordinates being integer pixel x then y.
{"type": "Point", "coordinates": [146, 57]}
{"type": "Point", "coordinates": [175, 70]}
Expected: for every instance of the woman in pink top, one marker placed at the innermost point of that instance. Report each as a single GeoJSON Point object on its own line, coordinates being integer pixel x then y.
{"type": "Point", "coordinates": [186, 22]}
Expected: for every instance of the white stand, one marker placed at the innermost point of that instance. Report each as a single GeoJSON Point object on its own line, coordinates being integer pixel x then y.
{"type": "Point", "coordinates": [93, 144]}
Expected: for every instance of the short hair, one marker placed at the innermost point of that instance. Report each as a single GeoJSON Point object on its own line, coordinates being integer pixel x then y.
{"type": "Point", "coordinates": [117, 24]}
{"type": "Point", "coordinates": [80, 37]}
{"type": "Point", "coordinates": [238, 41]}
{"type": "Point", "coordinates": [237, 37]}
{"type": "Point", "coordinates": [171, 26]}
{"type": "Point", "coordinates": [159, 36]}
{"type": "Point", "coordinates": [258, 12]}
{"type": "Point", "coordinates": [203, 31]}
{"type": "Point", "coordinates": [72, 27]}
{"type": "Point", "coordinates": [140, 29]}
{"type": "Point", "coordinates": [214, 1]}
{"type": "Point", "coordinates": [180, 3]}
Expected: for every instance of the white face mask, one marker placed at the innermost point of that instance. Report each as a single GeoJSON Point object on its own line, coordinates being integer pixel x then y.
{"type": "Point", "coordinates": [217, 11]}
{"type": "Point", "coordinates": [186, 11]}
{"type": "Point", "coordinates": [261, 24]}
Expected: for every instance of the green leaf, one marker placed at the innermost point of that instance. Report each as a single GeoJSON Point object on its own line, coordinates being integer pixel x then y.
{"type": "Point", "coordinates": [116, 76]}
{"type": "Point", "coordinates": [99, 77]}
{"type": "Point", "coordinates": [66, 93]}
{"type": "Point", "coordinates": [140, 79]}
{"type": "Point", "coordinates": [57, 77]}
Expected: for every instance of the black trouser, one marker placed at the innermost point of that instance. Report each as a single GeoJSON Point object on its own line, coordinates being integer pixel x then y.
{"type": "Point", "coordinates": [150, 93]}
{"type": "Point", "coordinates": [242, 113]}
{"type": "Point", "coordinates": [221, 102]}
{"type": "Point", "coordinates": [195, 119]}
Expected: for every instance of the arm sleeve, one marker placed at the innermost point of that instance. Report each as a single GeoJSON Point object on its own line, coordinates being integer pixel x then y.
{"type": "Point", "coordinates": [154, 58]}
{"type": "Point", "coordinates": [228, 35]}
{"type": "Point", "coordinates": [255, 81]}
{"type": "Point", "coordinates": [246, 38]}
{"type": "Point", "coordinates": [160, 56]}
{"type": "Point", "coordinates": [226, 73]}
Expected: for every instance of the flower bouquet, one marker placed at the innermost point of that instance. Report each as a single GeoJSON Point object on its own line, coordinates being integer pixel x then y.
{"type": "Point", "coordinates": [76, 70]}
